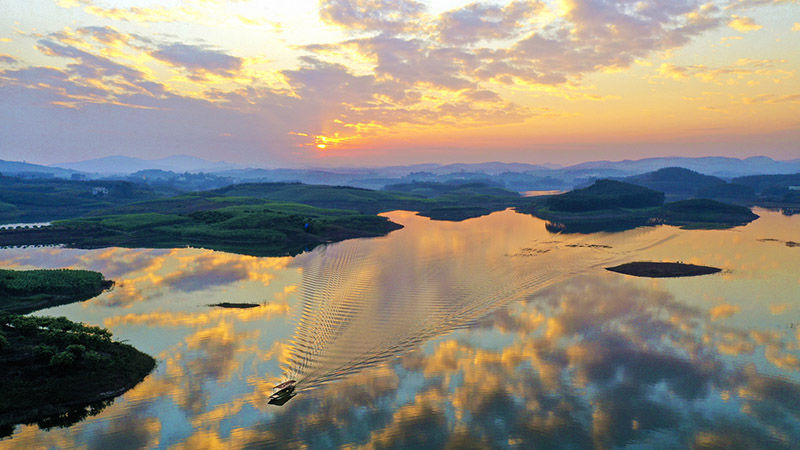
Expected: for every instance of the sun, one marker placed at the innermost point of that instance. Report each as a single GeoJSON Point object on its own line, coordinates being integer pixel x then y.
{"type": "Point", "coordinates": [322, 146]}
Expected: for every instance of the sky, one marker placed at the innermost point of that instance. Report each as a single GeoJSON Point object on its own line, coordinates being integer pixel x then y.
{"type": "Point", "coordinates": [382, 82]}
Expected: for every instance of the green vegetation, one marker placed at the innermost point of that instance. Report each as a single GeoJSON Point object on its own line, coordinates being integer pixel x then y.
{"type": "Point", "coordinates": [615, 206]}
{"type": "Point", "coordinates": [254, 227]}
{"type": "Point", "coordinates": [37, 200]}
{"type": "Point", "coordinates": [429, 199]}
{"type": "Point", "coordinates": [263, 219]}
{"type": "Point", "coordinates": [24, 291]}
{"type": "Point", "coordinates": [55, 372]}
{"type": "Point", "coordinates": [606, 194]}
{"type": "Point", "coordinates": [728, 191]}
{"type": "Point", "coordinates": [774, 190]}
{"type": "Point", "coordinates": [662, 269]}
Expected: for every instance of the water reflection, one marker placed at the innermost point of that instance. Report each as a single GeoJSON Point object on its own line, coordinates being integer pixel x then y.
{"type": "Point", "coordinates": [600, 360]}
{"type": "Point", "coordinates": [367, 301]}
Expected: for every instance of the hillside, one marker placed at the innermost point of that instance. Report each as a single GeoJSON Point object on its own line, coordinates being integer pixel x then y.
{"type": "Point", "coordinates": [36, 200]}
{"type": "Point", "coordinates": [606, 194]}
{"type": "Point", "coordinates": [675, 182]}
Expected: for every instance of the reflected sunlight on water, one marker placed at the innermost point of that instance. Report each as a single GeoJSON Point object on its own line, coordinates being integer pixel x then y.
{"type": "Point", "coordinates": [415, 318]}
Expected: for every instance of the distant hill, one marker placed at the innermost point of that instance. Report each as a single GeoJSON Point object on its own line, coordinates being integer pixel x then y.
{"type": "Point", "coordinates": [516, 176]}
{"type": "Point", "coordinates": [675, 182]}
{"type": "Point", "coordinates": [124, 165]}
{"type": "Point", "coordinates": [711, 165]}
{"type": "Point", "coordinates": [762, 183]}
{"type": "Point", "coordinates": [783, 190]}
{"type": "Point", "coordinates": [37, 200]}
{"type": "Point", "coordinates": [17, 168]}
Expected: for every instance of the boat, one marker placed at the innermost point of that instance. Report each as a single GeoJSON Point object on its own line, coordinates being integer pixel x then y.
{"type": "Point", "coordinates": [282, 393]}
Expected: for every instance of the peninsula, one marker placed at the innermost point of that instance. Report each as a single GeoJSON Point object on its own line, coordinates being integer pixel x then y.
{"type": "Point", "coordinates": [53, 371]}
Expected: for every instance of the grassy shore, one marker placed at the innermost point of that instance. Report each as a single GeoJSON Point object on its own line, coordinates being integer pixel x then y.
{"type": "Point", "coordinates": [53, 371]}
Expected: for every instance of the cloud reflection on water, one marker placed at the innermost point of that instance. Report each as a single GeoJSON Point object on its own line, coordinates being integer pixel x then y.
{"type": "Point", "coordinates": [607, 364]}
{"type": "Point", "coordinates": [601, 360]}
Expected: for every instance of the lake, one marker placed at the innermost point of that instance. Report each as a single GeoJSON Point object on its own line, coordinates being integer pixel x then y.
{"type": "Point", "coordinates": [491, 332]}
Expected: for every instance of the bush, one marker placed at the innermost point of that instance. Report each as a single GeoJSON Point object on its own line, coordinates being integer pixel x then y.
{"type": "Point", "coordinates": [44, 352]}
{"type": "Point", "coordinates": [96, 360]}
{"type": "Point", "coordinates": [62, 360]}
{"type": "Point", "coordinates": [3, 342]}
{"type": "Point", "coordinates": [77, 350]}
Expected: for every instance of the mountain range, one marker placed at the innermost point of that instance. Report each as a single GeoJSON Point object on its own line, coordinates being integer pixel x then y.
{"type": "Point", "coordinates": [509, 174]}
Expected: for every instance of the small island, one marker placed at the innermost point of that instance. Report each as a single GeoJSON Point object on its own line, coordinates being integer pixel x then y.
{"type": "Point", "coordinates": [662, 269]}
{"type": "Point", "coordinates": [234, 305]}
{"type": "Point", "coordinates": [53, 371]}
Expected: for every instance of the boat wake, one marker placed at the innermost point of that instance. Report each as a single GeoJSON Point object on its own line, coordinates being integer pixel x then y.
{"type": "Point", "coordinates": [367, 301]}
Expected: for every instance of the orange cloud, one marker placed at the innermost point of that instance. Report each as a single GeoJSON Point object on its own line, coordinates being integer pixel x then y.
{"type": "Point", "coordinates": [744, 24]}
{"type": "Point", "coordinates": [723, 311]}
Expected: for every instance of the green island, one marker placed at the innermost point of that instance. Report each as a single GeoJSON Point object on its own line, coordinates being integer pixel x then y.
{"type": "Point", "coordinates": [55, 372]}
{"type": "Point", "coordinates": [662, 269]}
{"type": "Point", "coordinates": [609, 205]}
{"type": "Point", "coordinates": [24, 291]}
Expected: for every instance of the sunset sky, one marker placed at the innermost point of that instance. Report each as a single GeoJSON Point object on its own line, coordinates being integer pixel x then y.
{"type": "Point", "coordinates": [379, 82]}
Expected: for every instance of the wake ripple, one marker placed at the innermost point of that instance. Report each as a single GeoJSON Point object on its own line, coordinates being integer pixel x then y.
{"type": "Point", "coordinates": [367, 301]}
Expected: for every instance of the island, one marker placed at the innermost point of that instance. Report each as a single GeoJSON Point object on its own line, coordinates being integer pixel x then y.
{"type": "Point", "coordinates": [662, 269]}
{"type": "Point", "coordinates": [53, 371]}
{"type": "Point", "coordinates": [610, 205]}
{"type": "Point", "coordinates": [235, 305]}
{"type": "Point", "coordinates": [25, 291]}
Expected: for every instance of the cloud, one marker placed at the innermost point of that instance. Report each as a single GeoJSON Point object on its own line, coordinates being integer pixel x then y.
{"type": "Point", "coordinates": [387, 16]}
{"type": "Point", "coordinates": [743, 69]}
{"type": "Point", "coordinates": [199, 61]}
{"type": "Point", "coordinates": [723, 311]}
{"type": "Point", "coordinates": [8, 59]}
{"type": "Point", "coordinates": [480, 21]}
{"type": "Point", "coordinates": [400, 65]}
{"type": "Point", "coordinates": [743, 24]}
{"type": "Point", "coordinates": [772, 99]}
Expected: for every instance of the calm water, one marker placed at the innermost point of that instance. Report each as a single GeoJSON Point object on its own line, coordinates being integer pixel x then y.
{"type": "Point", "coordinates": [489, 332]}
